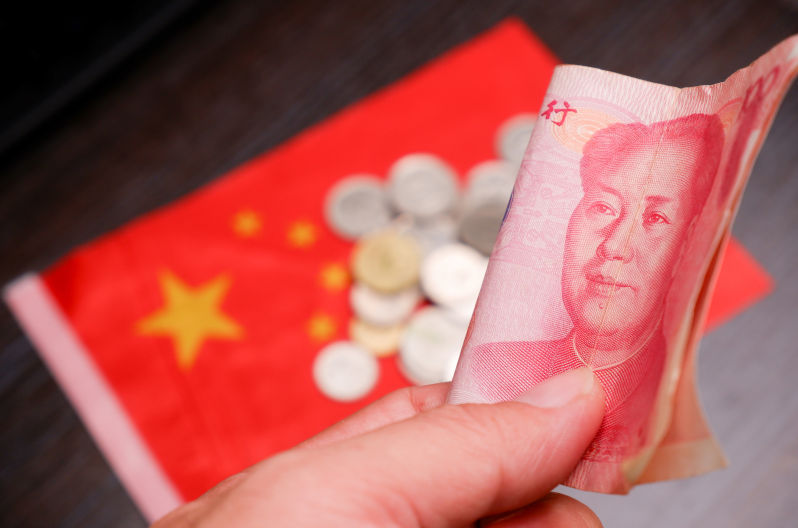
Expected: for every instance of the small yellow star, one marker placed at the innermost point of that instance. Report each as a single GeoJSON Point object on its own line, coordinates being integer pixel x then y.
{"type": "Point", "coordinates": [321, 327]}
{"type": "Point", "coordinates": [302, 234]}
{"type": "Point", "coordinates": [247, 223]}
{"type": "Point", "coordinates": [190, 316]}
{"type": "Point", "coordinates": [334, 277]}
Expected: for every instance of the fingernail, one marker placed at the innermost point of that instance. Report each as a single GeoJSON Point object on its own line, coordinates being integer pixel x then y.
{"type": "Point", "coordinates": [559, 390]}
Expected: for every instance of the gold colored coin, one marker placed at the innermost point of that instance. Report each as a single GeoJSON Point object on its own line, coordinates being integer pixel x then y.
{"type": "Point", "coordinates": [382, 341]}
{"type": "Point", "coordinates": [387, 261]}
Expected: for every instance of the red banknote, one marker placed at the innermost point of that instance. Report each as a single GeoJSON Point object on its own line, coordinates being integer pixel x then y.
{"type": "Point", "coordinates": [608, 254]}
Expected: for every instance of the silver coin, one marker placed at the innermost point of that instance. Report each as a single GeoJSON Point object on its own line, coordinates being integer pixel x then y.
{"type": "Point", "coordinates": [479, 225]}
{"type": "Point", "coordinates": [357, 205]}
{"type": "Point", "coordinates": [345, 371]}
{"type": "Point", "coordinates": [513, 136]}
{"type": "Point", "coordinates": [383, 309]}
{"type": "Point", "coordinates": [451, 365]}
{"type": "Point", "coordinates": [490, 180]}
{"type": "Point", "coordinates": [430, 345]}
{"type": "Point", "coordinates": [463, 309]}
{"type": "Point", "coordinates": [434, 232]}
{"type": "Point", "coordinates": [423, 185]}
{"type": "Point", "coordinates": [453, 274]}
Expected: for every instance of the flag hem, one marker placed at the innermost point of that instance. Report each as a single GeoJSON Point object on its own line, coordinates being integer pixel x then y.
{"type": "Point", "coordinates": [40, 316]}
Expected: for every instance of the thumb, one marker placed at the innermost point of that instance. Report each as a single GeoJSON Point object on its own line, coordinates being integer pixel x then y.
{"type": "Point", "coordinates": [458, 463]}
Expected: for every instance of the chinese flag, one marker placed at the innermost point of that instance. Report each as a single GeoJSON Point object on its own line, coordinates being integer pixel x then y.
{"type": "Point", "coordinates": [185, 340]}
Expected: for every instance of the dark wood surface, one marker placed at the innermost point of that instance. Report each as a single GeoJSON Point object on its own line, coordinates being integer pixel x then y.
{"type": "Point", "coordinates": [244, 76]}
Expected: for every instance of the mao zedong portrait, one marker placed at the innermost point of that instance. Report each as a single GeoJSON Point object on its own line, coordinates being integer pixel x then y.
{"type": "Point", "coordinates": [644, 188]}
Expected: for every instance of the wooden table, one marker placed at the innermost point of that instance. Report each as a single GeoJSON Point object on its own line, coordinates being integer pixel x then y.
{"type": "Point", "coordinates": [244, 76]}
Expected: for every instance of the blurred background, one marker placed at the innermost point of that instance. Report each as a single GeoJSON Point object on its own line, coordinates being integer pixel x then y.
{"type": "Point", "coordinates": [109, 113]}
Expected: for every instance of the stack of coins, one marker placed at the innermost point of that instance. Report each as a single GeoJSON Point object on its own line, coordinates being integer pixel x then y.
{"type": "Point", "coordinates": [421, 248]}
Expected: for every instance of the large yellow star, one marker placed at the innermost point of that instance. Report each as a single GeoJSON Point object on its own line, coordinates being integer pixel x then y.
{"type": "Point", "coordinates": [247, 223]}
{"type": "Point", "coordinates": [302, 234]}
{"type": "Point", "coordinates": [190, 316]}
{"type": "Point", "coordinates": [334, 277]}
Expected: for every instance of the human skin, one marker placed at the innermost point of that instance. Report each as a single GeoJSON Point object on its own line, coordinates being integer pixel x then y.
{"type": "Point", "coordinates": [409, 459]}
{"type": "Point", "coordinates": [622, 243]}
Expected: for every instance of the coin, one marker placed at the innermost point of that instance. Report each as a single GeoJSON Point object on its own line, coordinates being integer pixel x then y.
{"type": "Point", "coordinates": [463, 309]}
{"type": "Point", "coordinates": [451, 366]}
{"type": "Point", "coordinates": [345, 371]}
{"type": "Point", "coordinates": [479, 225]}
{"type": "Point", "coordinates": [387, 261]}
{"type": "Point", "coordinates": [453, 274]}
{"type": "Point", "coordinates": [382, 309]}
{"type": "Point", "coordinates": [490, 180]}
{"type": "Point", "coordinates": [382, 341]}
{"type": "Point", "coordinates": [422, 185]}
{"type": "Point", "coordinates": [513, 136]}
{"type": "Point", "coordinates": [357, 205]}
{"type": "Point", "coordinates": [434, 232]}
{"type": "Point", "coordinates": [430, 345]}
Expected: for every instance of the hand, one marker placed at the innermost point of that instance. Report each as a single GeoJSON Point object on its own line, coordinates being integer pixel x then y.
{"type": "Point", "coordinates": [409, 459]}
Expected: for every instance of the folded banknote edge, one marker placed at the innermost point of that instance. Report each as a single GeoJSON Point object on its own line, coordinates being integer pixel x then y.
{"type": "Point", "coordinates": [620, 77]}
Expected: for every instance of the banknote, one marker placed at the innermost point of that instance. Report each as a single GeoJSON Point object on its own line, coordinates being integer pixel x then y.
{"type": "Point", "coordinates": [608, 253]}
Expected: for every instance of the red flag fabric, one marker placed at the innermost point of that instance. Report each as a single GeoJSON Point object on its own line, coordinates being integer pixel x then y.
{"type": "Point", "coordinates": [185, 340]}
{"type": "Point", "coordinates": [741, 282]}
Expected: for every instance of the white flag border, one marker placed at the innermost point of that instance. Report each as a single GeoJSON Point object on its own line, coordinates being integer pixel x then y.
{"type": "Point", "coordinates": [102, 413]}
